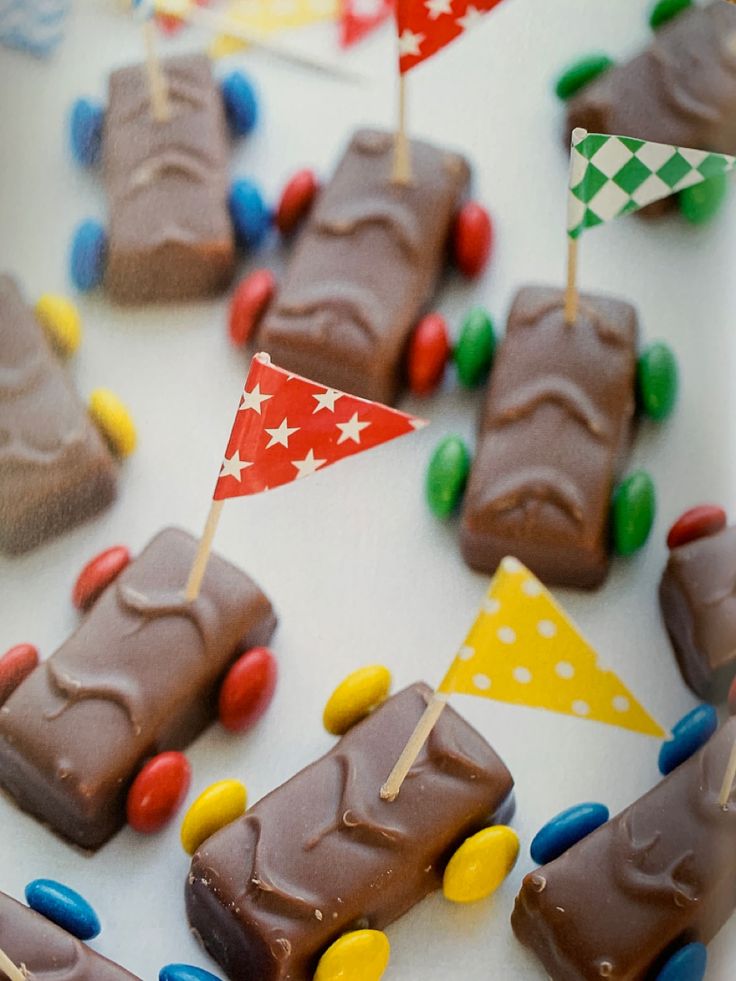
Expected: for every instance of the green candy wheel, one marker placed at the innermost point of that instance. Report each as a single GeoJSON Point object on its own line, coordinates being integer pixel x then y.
{"type": "Point", "coordinates": [657, 381]}
{"type": "Point", "coordinates": [665, 10]}
{"type": "Point", "coordinates": [447, 475]}
{"type": "Point", "coordinates": [633, 509]}
{"type": "Point", "coordinates": [473, 354]}
{"type": "Point", "coordinates": [581, 73]}
{"type": "Point", "coordinates": [702, 202]}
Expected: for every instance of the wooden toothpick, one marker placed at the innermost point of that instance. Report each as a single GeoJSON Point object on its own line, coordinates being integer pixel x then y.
{"type": "Point", "coordinates": [728, 779]}
{"type": "Point", "coordinates": [157, 86]}
{"type": "Point", "coordinates": [571, 291]}
{"type": "Point", "coordinates": [199, 566]}
{"type": "Point", "coordinates": [435, 706]}
{"type": "Point", "coordinates": [8, 967]}
{"type": "Point", "coordinates": [402, 156]}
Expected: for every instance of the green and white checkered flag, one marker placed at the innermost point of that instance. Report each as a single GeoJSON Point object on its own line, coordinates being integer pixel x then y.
{"type": "Point", "coordinates": [615, 175]}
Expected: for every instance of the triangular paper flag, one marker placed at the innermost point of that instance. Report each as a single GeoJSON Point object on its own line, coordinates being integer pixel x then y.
{"type": "Point", "coordinates": [427, 26]}
{"type": "Point", "coordinates": [288, 427]}
{"type": "Point", "coordinates": [359, 17]}
{"type": "Point", "coordinates": [524, 649]}
{"type": "Point", "coordinates": [267, 17]}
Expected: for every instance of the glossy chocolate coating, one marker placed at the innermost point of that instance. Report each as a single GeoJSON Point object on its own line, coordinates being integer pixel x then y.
{"type": "Point", "coordinates": [323, 853]}
{"type": "Point", "coordinates": [170, 235]}
{"type": "Point", "coordinates": [47, 952]}
{"type": "Point", "coordinates": [55, 468]}
{"type": "Point", "coordinates": [139, 676]}
{"type": "Point", "coordinates": [659, 875]}
{"type": "Point", "coordinates": [554, 432]}
{"type": "Point", "coordinates": [697, 596]}
{"type": "Point", "coordinates": [680, 90]}
{"type": "Point", "coordinates": [364, 267]}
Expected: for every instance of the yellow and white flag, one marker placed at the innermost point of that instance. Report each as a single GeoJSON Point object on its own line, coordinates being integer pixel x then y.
{"type": "Point", "coordinates": [524, 649]}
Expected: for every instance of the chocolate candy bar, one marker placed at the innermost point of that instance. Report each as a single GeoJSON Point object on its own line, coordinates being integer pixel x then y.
{"type": "Point", "coordinates": [680, 90]}
{"type": "Point", "coordinates": [323, 853]}
{"type": "Point", "coordinates": [55, 468]}
{"type": "Point", "coordinates": [43, 950]}
{"type": "Point", "coordinates": [138, 677]}
{"type": "Point", "coordinates": [698, 602]}
{"type": "Point", "coordinates": [364, 267]}
{"type": "Point", "coordinates": [555, 427]}
{"type": "Point", "coordinates": [661, 874]}
{"type": "Point", "coordinates": [170, 235]}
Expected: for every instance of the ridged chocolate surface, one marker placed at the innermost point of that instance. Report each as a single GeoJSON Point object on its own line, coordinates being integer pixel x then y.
{"type": "Point", "coordinates": [660, 874]}
{"type": "Point", "coordinates": [170, 236]}
{"type": "Point", "coordinates": [323, 853]}
{"type": "Point", "coordinates": [138, 677]}
{"type": "Point", "coordinates": [553, 435]}
{"type": "Point", "coordinates": [697, 596]}
{"type": "Point", "coordinates": [364, 267]}
{"type": "Point", "coordinates": [55, 468]}
{"type": "Point", "coordinates": [48, 953]}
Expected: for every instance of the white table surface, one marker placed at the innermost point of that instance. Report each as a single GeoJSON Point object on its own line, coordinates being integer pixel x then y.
{"type": "Point", "coordinates": [358, 569]}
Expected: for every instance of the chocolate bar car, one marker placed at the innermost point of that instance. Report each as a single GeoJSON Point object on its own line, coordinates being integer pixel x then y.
{"type": "Point", "coordinates": [555, 429]}
{"type": "Point", "coordinates": [58, 463]}
{"type": "Point", "coordinates": [174, 222]}
{"type": "Point", "coordinates": [140, 676]}
{"type": "Point", "coordinates": [272, 895]}
{"type": "Point", "coordinates": [681, 90]}
{"type": "Point", "coordinates": [641, 894]}
{"type": "Point", "coordinates": [364, 267]}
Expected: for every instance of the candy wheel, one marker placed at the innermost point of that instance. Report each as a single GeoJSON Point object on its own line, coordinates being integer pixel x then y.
{"type": "Point", "coordinates": [695, 523]}
{"type": "Point", "coordinates": [250, 216]}
{"type": "Point", "coordinates": [15, 666]}
{"type": "Point", "coordinates": [249, 303]}
{"type": "Point", "coordinates": [97, 575]}
{"type": "Point", "coordinates": [60, 321]}
{"type": "Point", "coordinates": [472, 239]}
{"type": "Point", "coordinates": [702, 202]}
{"type": "Point", "coordinates": [247, 689]}
{"type": "Point", "coordinates": [64, 907]}
{"type": "Point", "coordinates": [428, 354]}
{"type": "Point", "coordinates": [113, 420]}
{"type": "Point", "coordinates": [241, 103]}
{"type": "Point", "coordinates": [88, 255]}
{"type": "Point", "coordinates": [296, 200]}
{"type": "Point", "coordinates": [665, 10]}
{"type": "Point", "coordinates": [85, 132]}
{"type": "Point", "coordinates": [217, 806]}
{"type": "Point", "coordinates": [632, 512]}
{"type": "Point", "coordinates": [657, 381]}
{"type": "Point", "coordinates": [473, 354]}
{"type": "Point", "coordinates": [447, 475]}
{"type": "Point", "coordinates": [356, 697]}
{"type": "Point", "coordinates": [158, 792]}
{"type": "Point", "coordinates": [480, 864]}
{"type": "Point", "coordinates": [581, 73]}
{"type": "Point", "coordinates": [362, 955]}
{"type": "Point", "coordinates": [688, 964]}
{"type": "Point", "coordinates": [566, 829]}
{"type": "Point", "coordinates": [692, 731]}
{"type": "Point", "coordinates": [185, 972]}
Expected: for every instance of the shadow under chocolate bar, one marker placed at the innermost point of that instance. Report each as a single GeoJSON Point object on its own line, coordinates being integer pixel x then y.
{"type": "Point", "coordinates": [46, 951]}
{"type": "Point", "coordinates": [170, 234]}
{"type": "Point", "coordinates": [364, 267]}
{"type": "Point", "coordinates": [680, 90]}
{"type": "Point", "coordinates": [555, 428]}
{"type": "Point", "coordinates": [656, 877]}
{"type": "Point", "coordinates": [138, 677]}
{"type": "Point", "coordinates": [697, 596]}
{"type": "Point", "coordinates": [323, 853]}
{"type": "Point", "coordinates": [55, 468]}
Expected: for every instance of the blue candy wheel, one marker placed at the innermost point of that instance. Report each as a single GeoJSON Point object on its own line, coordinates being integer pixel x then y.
{"type": "Point", "coordinates": [241, 103]}
{"type": "Point", "coordinates": [88, 255]}
{"type": "Point", "coordinates": [565, 830]}
{"type": "Point", "coordinates": [63, 906]}
{"type": "Point", "coordinates": [250, 215]}
{"type": "Point", "coordinates": [692, 731]}
{"type": "Point", "coordinates": [185, 972]}
{"type": "Point", "coordinates": [688, 964]}
{"type": "Point", "coordinates": [85, 132]}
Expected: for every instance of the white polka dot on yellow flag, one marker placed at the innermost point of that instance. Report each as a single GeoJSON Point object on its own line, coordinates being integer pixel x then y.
{"type": "Point", "coordinates": [524, 649]}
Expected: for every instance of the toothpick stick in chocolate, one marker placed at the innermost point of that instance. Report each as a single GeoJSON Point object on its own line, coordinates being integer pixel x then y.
{"type": "Point", "coordinates": [8, 967]}
{"type": "Point", "coordinates": [577, 172]}
{"type": "Point", "coordinates": [728, 779]}
{"type": "Point", "coordinates": [156, 78]}
{"type": "Point", "coordinates": [199, 566]}
{"type": "Point", "coordinates": [402, 156]}
{"type": "Point", "coordinates": [425, 725]}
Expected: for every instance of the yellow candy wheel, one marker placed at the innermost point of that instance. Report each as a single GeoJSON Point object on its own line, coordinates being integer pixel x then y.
{"type": "Point", "coordinates": [355, 697]}
{"type": "Point", "coordinates": [60, 321]}
{"type": "Point", "coordinates": [358, 956]}
{"type": "Point", "coordinates": [480, 864]}
{"type": "Point", "coordinates": [220, 804]}
{"type": "Point", "coordinates": [113, 420]}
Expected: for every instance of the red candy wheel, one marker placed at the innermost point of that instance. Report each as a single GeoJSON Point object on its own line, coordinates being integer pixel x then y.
{"type": "Point", "coordinates": [428, 354]}
{"type": "Point", "coordinates": [15, 666]}
{"type": "Point", "coordinates": [698, 522]}
{"type": "Point", "coordinates": [296, 200]}
{"type": "Point", "coordinates": [158, 792]}
{"type": "Point", "coordinates": [472, 239]}
{"type": "Point", "coordinates": [97, 575]}
{"type": "Point", "coordinates": [249, 303]}
{"type": "Point", "coordinates": [247, 689]}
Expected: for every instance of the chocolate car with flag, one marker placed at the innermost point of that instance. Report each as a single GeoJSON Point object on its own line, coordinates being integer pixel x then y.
{"type": "Point", "coordinates": [680, 90]}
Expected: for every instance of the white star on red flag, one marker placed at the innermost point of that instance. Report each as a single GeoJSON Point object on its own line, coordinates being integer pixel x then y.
{"type": "Point", "coordinates": [287, 437]}
{"type": "Point", "coordinates": [435, 23]}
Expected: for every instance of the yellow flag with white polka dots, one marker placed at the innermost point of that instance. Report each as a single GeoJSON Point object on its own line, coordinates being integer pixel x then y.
{"type": "Point", "coordinates": [524, 649]}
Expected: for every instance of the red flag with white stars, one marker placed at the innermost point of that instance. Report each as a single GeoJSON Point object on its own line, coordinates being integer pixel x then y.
{"type": "Point", "coordinates": [359, 17]}
{"type": "Point", "coordinates": [288, 427]}
{"type": "Point", "coordinates": [426, 26]}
